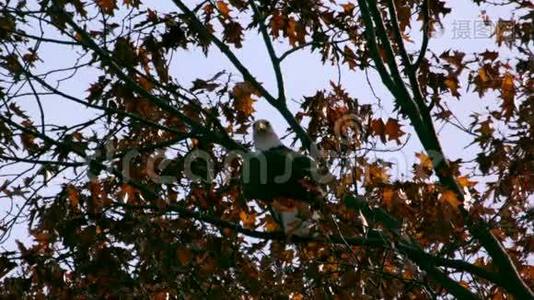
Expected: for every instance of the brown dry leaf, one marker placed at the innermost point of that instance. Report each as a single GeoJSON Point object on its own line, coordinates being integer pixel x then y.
{"type": "Point", "coordinates": [403, 15]}
{"type": "Point", "coordinates": [244, 102]}
{"type": "Point", "coordinates": [393, 130]}
{"type": "Point", "coordinates": [483, 75]}
{"type": "Point", "coordinates": [132, 3]}
{"type": "Point", "coordinates": [128, 193]}
{"type": "Point", "coordinates": [184, 255]}
{"type": "Point", "coordinates": [233, 34]}
{"type": "Point", "coordinates": [378, 128]}
{"type": "Point", "coordinates": [485, 128]}
{"type": "Point", "coordinates": [277, 23]}
{"type": "Point", "coordinates": [455, 59]}
{"type": "Point", "coordinates": [489, 55]}
{"type": "Point", "coordinates": [145, 83]}
{"type": "Point", "coordinates": [73, 196]}
{"type": "Point", "coordinates": [508, 93]}
{"type": "Point", "coordinates": [504, 30]}
{"type": "Point", "coordinates": [28, 141]}
{"type": "Point", "coordinates": [159, 295]}
{"type": "Point", "coordinates": [349, 57]}
{"type": "Point", "coordinates": [452, 83]}
{"type": "Point", "coordinates": [107, 6]}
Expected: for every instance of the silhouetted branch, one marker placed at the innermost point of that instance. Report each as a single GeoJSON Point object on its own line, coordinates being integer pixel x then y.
{"type": "Point", "coordinates": [281, 106]}
{"type": "Point", "coordinates": [423, 125]}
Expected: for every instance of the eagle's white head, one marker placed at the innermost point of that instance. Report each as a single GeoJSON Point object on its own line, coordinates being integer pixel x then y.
{"type": "Point", "coordinates": [264, 136]}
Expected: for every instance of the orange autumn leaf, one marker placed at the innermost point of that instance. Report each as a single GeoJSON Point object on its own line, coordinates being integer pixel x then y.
{"type": "Point", "coordinates": [223, 8]}
{"type": "Point", "coordinates": [464, 181]}
{"type": "Point", "coordinates": [424, 160]}
{"type": "Point", "coordinates": [507, 94]}
{"type": "Point", "coordinates": [483, 75]}
{"type": "Point", "coordinates": [348, 8]}
{"type": "Point", "coordinates": [376, 174]}
{"type": "Point", "coordinates": [424, 169]}
{"type": "Point", "coordinates": [387, 196]}
{"type": "Point", "coordinates": [295, 32]}
{"type": "Point", "coordinates": [248, 219]}
{"type": "Point", "coordinates": [270, 224]}
{"type": "Point", "coordinates": [450, 197]}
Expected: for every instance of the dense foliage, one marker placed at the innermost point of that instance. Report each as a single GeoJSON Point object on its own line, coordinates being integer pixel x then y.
{"type": "Point", "coordinates": [141, 196]}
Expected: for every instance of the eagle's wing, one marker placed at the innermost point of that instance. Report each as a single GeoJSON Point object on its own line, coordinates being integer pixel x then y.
{"type": "Point", "coordinates": [304, 174]}
{"type": "Point", "coordinates": [302, 165]}
{"type": "Point", "coordinates": [289, 199]}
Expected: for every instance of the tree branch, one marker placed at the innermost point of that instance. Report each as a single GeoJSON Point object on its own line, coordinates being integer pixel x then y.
{"type": "Point", "coordinates": [430, 141]}
{"type": "Point", "coordinates": [272, 54]}
{"type": "Point", "coordinates": [426, 35]}
{"type": "Point", "coordinates": [88, 42]}
{"type": "Point", "coordinates": [374, 239]}
{"type": "Point", "coordinates": [293, 123]}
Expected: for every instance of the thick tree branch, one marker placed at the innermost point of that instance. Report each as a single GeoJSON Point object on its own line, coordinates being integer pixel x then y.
{"type": "Point", "coordinates": [430, 141]}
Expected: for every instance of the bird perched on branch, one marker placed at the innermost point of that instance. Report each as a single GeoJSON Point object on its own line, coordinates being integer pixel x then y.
{"type": "Point", "coordinates": [283, 178]}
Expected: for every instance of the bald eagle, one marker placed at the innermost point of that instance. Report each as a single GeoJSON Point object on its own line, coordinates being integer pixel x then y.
{"type": "Point", "coordinates": [282, 178]}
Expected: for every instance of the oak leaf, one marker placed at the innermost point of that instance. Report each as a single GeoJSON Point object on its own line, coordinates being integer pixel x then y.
{"type": "Point", "coordinates": [244, 103]}
{"type": "Point", "coordinates": [507, 94]}
{"type": "Point", "coordinates": [107, 6]}
{"type": "Point", "coordinates": [393, 130]}
{"type": "Point", "coordinates": [73, 196]}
